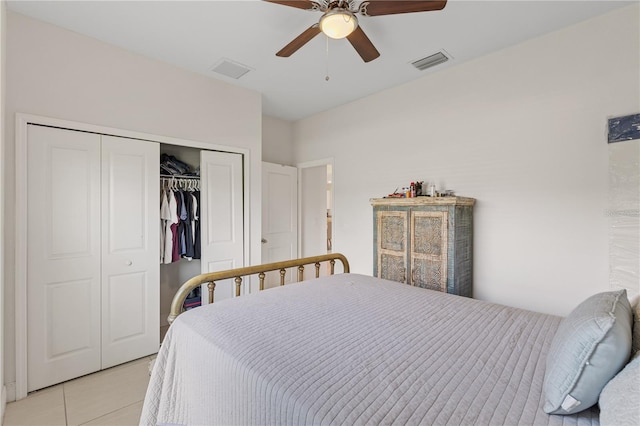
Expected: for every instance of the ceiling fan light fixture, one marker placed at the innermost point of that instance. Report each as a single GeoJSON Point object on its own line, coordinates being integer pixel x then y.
{"type": "Point", "coordinates": [338, 23]}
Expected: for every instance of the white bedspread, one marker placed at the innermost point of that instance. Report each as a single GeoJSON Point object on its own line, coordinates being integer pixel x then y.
{"type": "Point", "coordinates": [354, 350]}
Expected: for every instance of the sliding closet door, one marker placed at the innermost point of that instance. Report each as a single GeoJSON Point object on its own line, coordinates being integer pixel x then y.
{"type": "Point", "coordinates": [222, 235]}
{"type": "Point", "coordinates": [63, 257]}
{"type": "Point", "coordinates": [130, 249]}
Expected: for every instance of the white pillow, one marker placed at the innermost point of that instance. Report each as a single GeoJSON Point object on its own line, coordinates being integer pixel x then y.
{"type": "Point", "coordinates": [620, 398]}
{"type": "Point", "coordinates": [591, 345]}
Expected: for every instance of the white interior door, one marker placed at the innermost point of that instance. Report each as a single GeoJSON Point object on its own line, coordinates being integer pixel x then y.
{"type": "Point", "coordinates": [279, 217]}
{"type": "Point", "coordinates": [130, 247]}
{"type": "Point", "coordinates": [63, 257]}
{"type": "Point", "coordinates": [221, 217]}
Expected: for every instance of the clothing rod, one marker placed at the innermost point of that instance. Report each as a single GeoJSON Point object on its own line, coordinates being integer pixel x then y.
{"type": "Point", "coordinates": [179, 177]}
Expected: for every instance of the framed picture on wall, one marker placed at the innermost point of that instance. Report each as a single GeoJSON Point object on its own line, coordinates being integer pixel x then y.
{"type": "Point", "coordinates": [624, 128]}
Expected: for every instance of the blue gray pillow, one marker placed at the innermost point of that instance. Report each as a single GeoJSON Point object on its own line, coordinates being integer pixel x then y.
{"type": "Point", "coordinates": [591, 346]}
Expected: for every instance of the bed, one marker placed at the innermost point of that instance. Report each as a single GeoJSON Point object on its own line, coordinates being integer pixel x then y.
{"type": "Point", "coordinates": [352, 349]}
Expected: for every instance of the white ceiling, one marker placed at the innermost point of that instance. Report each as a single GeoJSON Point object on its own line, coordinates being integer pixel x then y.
{"type": "Point", "coordinates": [196, 35]}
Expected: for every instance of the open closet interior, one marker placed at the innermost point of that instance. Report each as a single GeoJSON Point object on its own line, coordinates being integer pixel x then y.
{"type": "Point", "coordinates": [180, 211]}
{"type": "Point", "coordinates": [208, 224]}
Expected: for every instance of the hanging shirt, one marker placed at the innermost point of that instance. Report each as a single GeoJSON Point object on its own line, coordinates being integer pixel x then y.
{"type": "Point", "coordinates": [162, 225]}
{"type": "Point", "coordinates": [194, 211]}
{"type": "Point", "coordinates": [196, 235]}
{"type": "Point", "coordinates": [182, 225]}
{"type": "Point", "coordinates": [188, 228]}
{"type": "Point", "coordinates": [175, 252]}
{"type": "Point", "coordinates": [163, 222]}
{"type": "Point", "coordinates": [169, 216]}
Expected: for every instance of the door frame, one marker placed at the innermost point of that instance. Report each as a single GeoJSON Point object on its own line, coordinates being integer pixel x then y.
{"type": "Point", "coordinates": [316, 163]}
{"type": "Point", "coordinates": [20, 249]}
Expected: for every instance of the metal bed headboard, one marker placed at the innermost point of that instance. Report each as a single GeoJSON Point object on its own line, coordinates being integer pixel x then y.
{"type": "Point", "coordinates": [211, 277]}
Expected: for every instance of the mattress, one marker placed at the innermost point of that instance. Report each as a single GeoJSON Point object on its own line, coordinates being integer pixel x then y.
{"type": "Point", "coordinates": [352, 349]}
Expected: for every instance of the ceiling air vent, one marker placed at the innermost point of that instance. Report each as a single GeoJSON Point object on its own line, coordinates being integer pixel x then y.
{"type": "Point", "coordinates": [430, 61]}
{"type": "Point", "coordinates": [231, 69]}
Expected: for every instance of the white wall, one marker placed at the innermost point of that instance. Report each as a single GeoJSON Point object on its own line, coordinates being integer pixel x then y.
{"type": "Point", "coordinates": [522, 131]}
{"type": "Point", "coordinates": [624, 213]}
{"type": "Point", "coordinates": [277, 141]}
{"type": "Point", "coordinates": [57, 73]}
{"type": "Point", "coordinates": [3, 26]}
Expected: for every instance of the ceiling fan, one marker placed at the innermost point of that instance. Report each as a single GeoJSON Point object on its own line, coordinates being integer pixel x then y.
{"type": "Point", "coordinates": [339, 20]}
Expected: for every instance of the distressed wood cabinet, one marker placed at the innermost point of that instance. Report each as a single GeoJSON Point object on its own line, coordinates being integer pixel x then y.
{"type": "Point", "coordinates": [426, 242]}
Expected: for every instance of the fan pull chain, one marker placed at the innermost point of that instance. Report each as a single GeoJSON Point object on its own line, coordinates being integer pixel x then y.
{"type": "Point", "coordinates": [327, 76]}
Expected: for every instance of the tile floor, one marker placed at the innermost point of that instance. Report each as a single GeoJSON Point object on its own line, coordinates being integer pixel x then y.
{"type": "Point", "coordinates": [109, 397]}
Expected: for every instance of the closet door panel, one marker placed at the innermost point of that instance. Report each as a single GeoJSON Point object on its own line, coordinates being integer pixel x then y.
{"type": "Point", "coordinates": [130, 247]}
{"type": "Point", "coordinates": [63, 255]}
{"type": "Point", "coordinates": [127, 319]}
{"type": "Point", "coordinates": [65, 333]}
{"type": "Point", "coordinates": [127, 192]}
{"type": "Point", "coordinates": [221, 216]}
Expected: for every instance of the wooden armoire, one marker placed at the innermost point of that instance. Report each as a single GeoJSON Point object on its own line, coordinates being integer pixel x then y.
{"type": "Point", "coordinates": [425, 241]}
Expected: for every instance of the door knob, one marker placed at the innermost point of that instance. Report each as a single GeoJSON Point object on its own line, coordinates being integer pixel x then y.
{"type": "Point", "coordinates": [264, 241]}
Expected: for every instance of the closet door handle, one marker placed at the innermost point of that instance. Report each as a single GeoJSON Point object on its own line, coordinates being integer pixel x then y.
{"type": "Point", "coordinates": [128, 262]}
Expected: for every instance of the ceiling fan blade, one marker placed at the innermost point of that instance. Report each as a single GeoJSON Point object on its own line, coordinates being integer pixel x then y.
{"type": "Point", "coordinates": [391, 7]}
{"type": "Point", "coordinates": [299, 41]}
{"type": "Point", "coordinates": [300, 4]}
{"type": "Point", "coordinates": [363, 45]}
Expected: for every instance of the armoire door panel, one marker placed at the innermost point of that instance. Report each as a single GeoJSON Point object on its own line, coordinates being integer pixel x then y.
{"type": "Point", "coordinates": [221, 223]}
{"type": "Point", "coordinates": [130, 247]}
{"type": "Point", "coordinates": [393, 230]}
{"type": "Point", "coordinates": [392, 267]}
{"type": "Point", "coordinates": [63, 255]}
{"type": "Point", "coordinates": [430, 233]}
{"type": "Point", "coordinates": [429, 273]}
